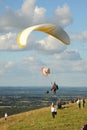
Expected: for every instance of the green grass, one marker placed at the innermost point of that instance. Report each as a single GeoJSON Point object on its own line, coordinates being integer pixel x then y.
{"type": "Point", "coordinates": [68, 118]}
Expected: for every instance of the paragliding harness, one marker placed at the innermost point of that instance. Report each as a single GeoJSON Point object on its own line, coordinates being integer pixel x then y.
{"type": "Point", "coordinates": [54, 87]}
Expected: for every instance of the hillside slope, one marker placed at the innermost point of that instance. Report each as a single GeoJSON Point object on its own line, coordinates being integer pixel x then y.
{"type": "Point", "coordinates": [68, 118]}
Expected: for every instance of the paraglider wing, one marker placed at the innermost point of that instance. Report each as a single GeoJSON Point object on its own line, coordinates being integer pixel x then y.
{"type": "Point", "coordinates": [51, 29]}
{"type": "Point", "coordinates": [45, 71]}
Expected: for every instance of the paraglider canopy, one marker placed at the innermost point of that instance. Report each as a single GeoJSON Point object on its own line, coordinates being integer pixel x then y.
{"type": "Point", "coordinates": [45, 71]}
{"type": "Point", "coordinates": [51, 29]}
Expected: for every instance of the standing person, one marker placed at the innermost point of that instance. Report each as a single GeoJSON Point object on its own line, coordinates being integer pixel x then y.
{"type": "Point", "coordinates": [53, 110]}
{"type": "Point", "coordinates": [82, 103]}
{"type": "Point", "coordinates": [59, 105]}
{"type": "Point", "coordinates": [79, 103]}
{"type": "Point", "coordinates": [6, 115]}
{"type": "Point", "coordinates": [54, 88]}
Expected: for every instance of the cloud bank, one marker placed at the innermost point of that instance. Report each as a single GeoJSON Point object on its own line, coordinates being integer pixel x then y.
{"type": "Point", "coordinates": [66, 63]}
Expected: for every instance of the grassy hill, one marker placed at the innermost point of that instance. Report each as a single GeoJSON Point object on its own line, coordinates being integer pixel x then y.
{"type": "Point", "coordinates": [68, 118]}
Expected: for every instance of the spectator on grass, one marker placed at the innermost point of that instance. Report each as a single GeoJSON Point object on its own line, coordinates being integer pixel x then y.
{"type": "Point", "coordinates": [79, 103]}
{"type": "Point", "coordinates": [53, 110]}
{"type": "Point", "coordinates": [82, 103]}
{"type": "Point", "coordinates": [84, 127]}
{"type": "Point", "coordinates": [59, 105]}
{"type": "Point", "coordinates": [6, 115]}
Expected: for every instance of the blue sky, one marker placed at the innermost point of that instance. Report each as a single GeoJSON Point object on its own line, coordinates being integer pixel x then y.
{"type": "Point", "coordinates": [22, 67]}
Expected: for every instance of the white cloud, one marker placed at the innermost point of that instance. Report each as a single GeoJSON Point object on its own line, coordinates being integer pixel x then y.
{"type": "Point", "coordinates": [30, 14]}
{"type": "Point", "coordinates": [32, 61]}
{"type": "Point", "coordinates": [80, 66]}
{"type": "Point", "coordinates": [66, 65]}
{"type": "Point", "coordinates": [1, 72]}
{"type": "Point", "coordinates": [82, 37]}
{"type": "Point", "coordinates": [33, 64]}
{"type": "Point", "coordinates": [28, 65]}
{"type": "Point", "coordinates": [9, 64]}
{"type": "Point", "coordinates": [62, 15]}
{"type": "Point", "coordinates": [27, 7]}
{"type": "Point", "coordinates": [27, 15]}
{"type": "Point", "coordinates": [1, 68]}
{"type": "Point", "coordinates": [47, 46]}
{"type": "Point", "coordinates": [39, 15]}
{"type": "Point", "coordinates": [25, 71]}
{"type": "Point", "coordinates": [8, 41]}
{"type": "Point", "coordinates": [50, 45]}
{"type": "Point", "coordinates": [9, 21]}
{"type": "Point", "coordinates": [68, 55]}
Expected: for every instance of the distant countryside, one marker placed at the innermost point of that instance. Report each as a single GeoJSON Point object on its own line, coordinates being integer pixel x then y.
{"type": "Point", "coordinates": [15, 100]}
